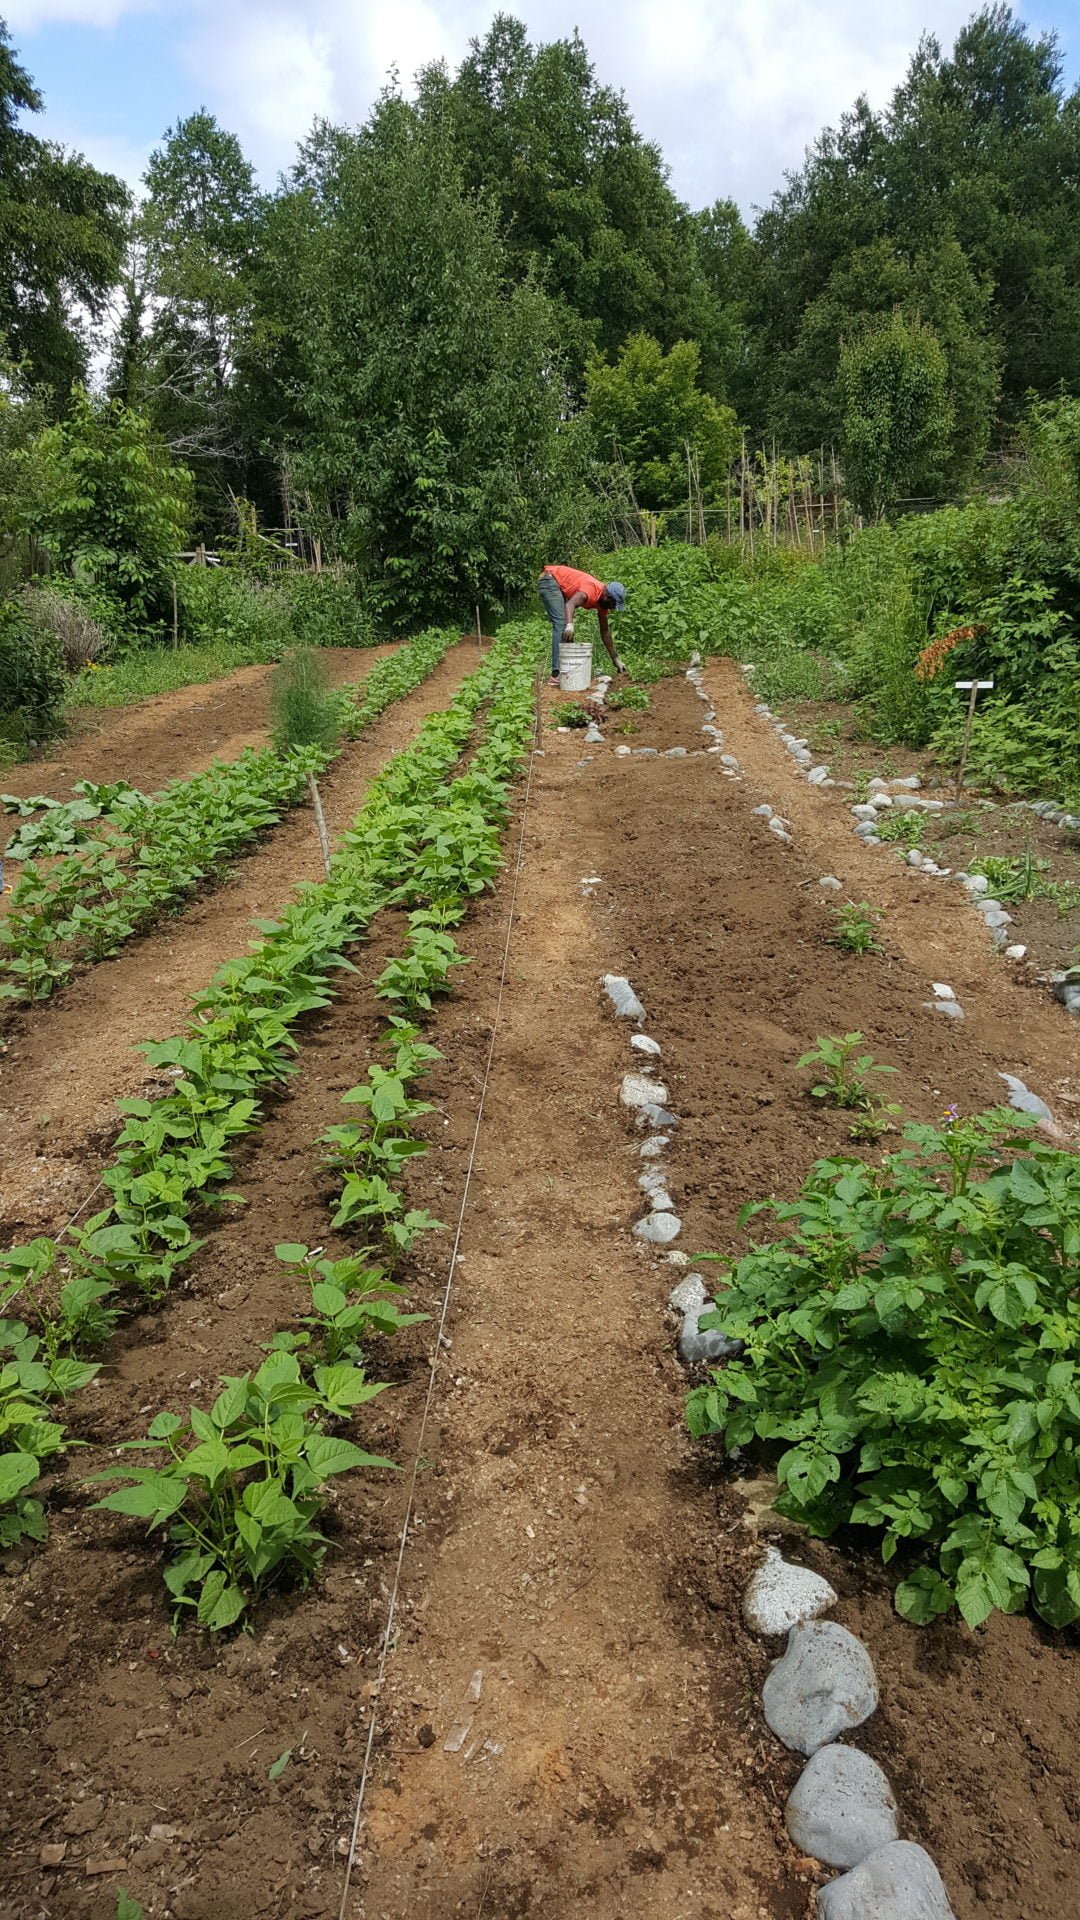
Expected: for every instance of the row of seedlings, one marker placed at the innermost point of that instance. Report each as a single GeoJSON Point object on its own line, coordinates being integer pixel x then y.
{"type": "Point", "coordinates": [173, 1151]}
{"type": "Point", "coordinates": [119, 859]}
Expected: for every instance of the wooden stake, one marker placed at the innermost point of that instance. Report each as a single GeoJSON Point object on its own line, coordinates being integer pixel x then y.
{"type": "Point", "coordinates": [479, 640]}
{"type": "Point", "coordinates": [320, 821]}
{"type": "Point", "coordinates": [175, 620]}
{"type": "Point", "coordinates": [975, 686]}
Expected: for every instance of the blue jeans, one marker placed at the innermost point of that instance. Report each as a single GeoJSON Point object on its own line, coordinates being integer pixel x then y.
{"type": "Point", "coordinates": [555, 607]}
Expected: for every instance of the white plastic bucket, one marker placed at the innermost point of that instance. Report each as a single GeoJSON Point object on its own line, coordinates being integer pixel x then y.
{"type": "Point", "coordinates": [575, 666]}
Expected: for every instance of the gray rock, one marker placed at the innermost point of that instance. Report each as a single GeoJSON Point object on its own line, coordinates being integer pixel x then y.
{"type": "Point", "coordinates": [698, 1344]}
{"type": "Point", "coordinates": [864, 830]}
{"type": "Point", "coordinates": [782, 833]}
{"type": "Point", "coordinates": [659, 1229]}
{"type": "Point", "coordinates": [652, 1180]}
{"type": "Point", "coordinates": [654, 1116]}
{"type": "Point", "coordinates": [841, 1807]}
{"type": "Point", "coordinates": [654, 1145]}
{"type": "Point", "coordinates": [675, 753]}
{"type": "Point", "coordinates": [593, 735]}
{"type": "Point", "coordinates": [762, 708]}
{"type": "Point", "coordinates": [824, 1685]}
{"type": "Point", "coordinates": [780, 1596]}
{"type": "Point", "coordinates": [975, 882]}
{"type": "Point", "coordinates": [643, 1043]}
{"type": "Point", "coordinates": [881, 801]}
{"type": "Point", "coordinates": [763, 813]}
{"type": "Point", "coordinates": [622, 997]}
{"type": "Point", "coordinates": [1023, 1099]}
{"type": "Point", "coordinates": [646, 753]}
{"type": "Point", "coordinates": [862, 810]}
{"type": "Point", "coordinates": [950, 1008]}
{"type": "Point", "coordinates": [801, 757]}
{"type": "Point", "coordinates": [689, 1296]}
{"type": "Point", "coordinates": [996, 917]}
{"type": "Point", "coordinates": [897, 1882]}
{"type": "Point", "coordinates": [905, 783]}
{"type": "Point", "coordinates": [729, 760]}
{"type": "Point", "coordinates": [660, 1200]}
{"type": "Point", "coordinates": [830, 882]}
{"type": "Point", "coordinates": [638, 1090]}
{"type": "Point", "coordinates": [623, 752]}
{"type": "Point", "coordinates": [1015, 953]}
{"type": "Point", "coordinates": [914, 858]}
{"type": "Point", "coordinates": [817, 776]}
{"type": "Point", "coordinates": [1068, 992]}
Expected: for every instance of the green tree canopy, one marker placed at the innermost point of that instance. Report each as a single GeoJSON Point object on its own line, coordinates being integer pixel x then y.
{"type": "Point", "coordinates": [437, 426]}
{"type": "Point", "coordinates": [894, 383]}
{"type": "Point", "coordinates": [648, 410]}
{"type": "Point", "coordinates": [62, 229]}
{"type": "Point", "coordinates": [582, 200]}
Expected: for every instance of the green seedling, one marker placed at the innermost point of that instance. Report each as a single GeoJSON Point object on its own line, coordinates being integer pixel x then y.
{"type": "Point", "coordinates": [856, 927]}
{"type": "Point", "coordinates": [241, 1488]}
{"type": "Point", "coordinates": [349, 1300]}
{"type": "Point", "coordinates": [844, 1073]}
{"type": "Point", "coordinates": [901, 828]}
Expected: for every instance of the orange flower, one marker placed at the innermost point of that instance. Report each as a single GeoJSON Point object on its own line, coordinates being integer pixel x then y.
{"type": "Point", "coordinates": [932, 658]}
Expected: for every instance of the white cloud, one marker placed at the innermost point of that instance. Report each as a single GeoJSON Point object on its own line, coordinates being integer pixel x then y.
{"type": "Point", "coordinates": [26, 16]}
{"type": "Point", "coordinates": [731, 90]}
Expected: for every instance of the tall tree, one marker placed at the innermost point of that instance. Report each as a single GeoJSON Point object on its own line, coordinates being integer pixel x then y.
{"type": "Point", "coordinates": [436, 406]}
{"type": "Point", "coordinates": [897, 418]}
{"type": "Point", "coordinates": [583, 200]}
{"type": "Point", "coordinates": [62, 229]}
{"type": "Point", "coordinates": [648, 410]}
{"type": "Point", "coordinates": [198, 229]}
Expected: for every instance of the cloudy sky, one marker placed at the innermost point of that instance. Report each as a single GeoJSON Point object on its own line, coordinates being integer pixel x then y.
{"type": "Point", "coordinates": [731, 89]}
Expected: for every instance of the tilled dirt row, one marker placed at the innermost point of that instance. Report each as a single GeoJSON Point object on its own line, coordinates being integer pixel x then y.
{"type": "Point", "coordinates": [171, 735]}
{"type": "Point", "coordinates": [569, 1545]}
{"type": "Point", "coordinates": [63, 1065]}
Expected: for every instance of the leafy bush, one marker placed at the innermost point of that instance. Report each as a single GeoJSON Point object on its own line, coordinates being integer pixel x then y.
{"type": "Point", "coordinates": [81, 638]}
{"type": "Point", "coordinates": [109, 506]}
{"type": "Point", "coordinates": [224, 604]}
{"type": "Point", "coordinates": [912, 1340]}
{"type": "Point", "coordinates": [325, 609]}
{"type": "Point", "coordinates": [32, 683]}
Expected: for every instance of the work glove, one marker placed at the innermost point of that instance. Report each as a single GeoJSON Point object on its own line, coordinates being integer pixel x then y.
{"type": "Point", "coordinates": [620, 665]}
{"type": "Point", "coordinates": [568, 631]}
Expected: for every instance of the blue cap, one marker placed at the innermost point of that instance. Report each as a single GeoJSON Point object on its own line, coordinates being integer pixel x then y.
{"type": "Point", "coordinates": [618, 593]}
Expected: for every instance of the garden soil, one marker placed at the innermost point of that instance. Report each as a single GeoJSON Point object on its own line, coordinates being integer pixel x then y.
{"type": "Point", "coordinates": [170, 736]}
{"type": "Point", "coordinates": [572, 1559]}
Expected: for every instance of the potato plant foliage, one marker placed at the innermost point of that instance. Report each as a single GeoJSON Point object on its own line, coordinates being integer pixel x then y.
{"type": "Point", "coordinates": [912, 1345]}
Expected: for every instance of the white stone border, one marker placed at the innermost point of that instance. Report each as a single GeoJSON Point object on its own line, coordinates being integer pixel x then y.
{"type": "Point", "coordinates": [883, 794]}
{"type": "Point", "coordinates": [842, 1810]}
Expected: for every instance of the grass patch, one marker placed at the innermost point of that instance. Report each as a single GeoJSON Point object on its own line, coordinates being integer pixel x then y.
{"type": "Point", "coordinates": [141, 674]}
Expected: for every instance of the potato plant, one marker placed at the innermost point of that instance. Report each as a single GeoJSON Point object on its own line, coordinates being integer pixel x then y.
{"type": "Point", "coordinates": [912, 1357]}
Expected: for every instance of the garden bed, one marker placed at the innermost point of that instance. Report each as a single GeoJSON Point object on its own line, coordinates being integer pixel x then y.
{"type": "Point", "coordinates": [570, 1544]}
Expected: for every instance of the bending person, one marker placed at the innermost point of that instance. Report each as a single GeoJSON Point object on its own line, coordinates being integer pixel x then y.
{"type": "Point", "coordinates": [563, 590]}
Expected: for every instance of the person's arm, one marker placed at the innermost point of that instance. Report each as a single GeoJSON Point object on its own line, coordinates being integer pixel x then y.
{"type": "Point", "coordinates": [573, 602]}
{"type": "Point", "coordinates": [605, 635]}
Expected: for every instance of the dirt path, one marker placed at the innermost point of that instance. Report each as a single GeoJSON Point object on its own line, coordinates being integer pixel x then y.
{"type": "Point", "coordinates": [569, 1544]}
{"type": "Point", "coordinates": [63, 1065]}
{"type": "Point", "coordinates": [628, 1771]}
{"type": "Point", "coordinates": [171, 734]}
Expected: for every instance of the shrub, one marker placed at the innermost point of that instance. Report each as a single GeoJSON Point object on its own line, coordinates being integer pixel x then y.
{"type": "Point", "coordinates": [81, 638]}
{"type": "Point", "coordinates": [307, 713]}
{"type": "Point", "coordinates": [32, 683]}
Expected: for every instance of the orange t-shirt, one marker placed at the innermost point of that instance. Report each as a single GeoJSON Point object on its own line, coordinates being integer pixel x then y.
{"type": "Point", "coordinates": [571, 580]}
